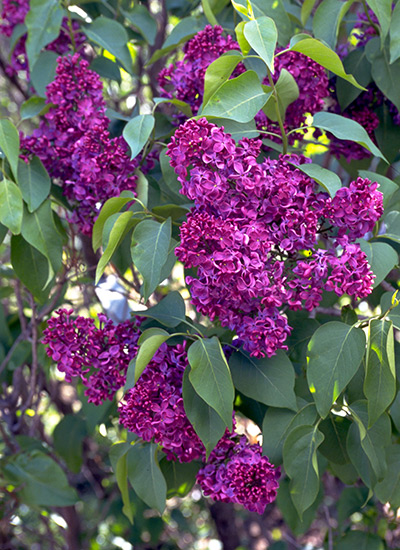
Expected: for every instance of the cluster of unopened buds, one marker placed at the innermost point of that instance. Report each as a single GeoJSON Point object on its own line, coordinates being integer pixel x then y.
{"type": "Point", "coordinates": [153, 409]}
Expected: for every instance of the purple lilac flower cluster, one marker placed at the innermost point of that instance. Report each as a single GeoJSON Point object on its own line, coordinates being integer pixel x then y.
{"type": "Point", "coordinates": [75, 146]}
{"type": "Point", "coordinates": [153, 409]}
{"type": "Point", "coordinates": [248, 230]}
{"type": "Point", "coordinates": [237, 472]}
{"type": "Point", "coordinates": [184, 80]}
{"type": "Point", "coordinates": [99, 356]}
{"type": "Point", "coordinates": [14, 13]}
{"type": "Point", "coordinates": [313, 86]}
{"type": "Point", "coordinates": [363, 108]}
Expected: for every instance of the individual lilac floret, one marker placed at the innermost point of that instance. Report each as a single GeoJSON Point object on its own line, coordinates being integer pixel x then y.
{"type": "Point", "coordinates": [250, 227]}
{"type": "Point", "coordinates": [98, 356]}
{"type": "Point", "coordinates": [237, 472]}
{"type": "Point", "coordinates": [74, 144]}
{"type": "Point", "coordinates": [184, 80]}
{"type": "Point", "coordinates": [153, 409]}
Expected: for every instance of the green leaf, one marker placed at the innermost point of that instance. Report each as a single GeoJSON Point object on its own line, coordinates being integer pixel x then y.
{"type": "Point", "coordinates": [11, 206]}
{"type": "Point", "coordinates": [239, 98]}
{"type": "Point", "coordinates": [44, 71]}
{"type": "Point", "coordinates": [365, 446]}
{"type": "Point", "coordinates": [112, 36]}
{"type": "Point", "coordinates": [392, 222]}
{"type": "Point", "coordinates": [237, 130]}
{"type": "Point", "coordinates": [110, 207]}
{"type": "Point", "coordinates": [43, 483]}
{"type": "Point", "coordinates": [388, 490]}
{"type": "Point", "coordinates": [241, 39]}
{"type": "Point", "coordinates": [211, 378]}
{"type": "Point", "coordinates": [352, 499]}
{"type": "Point", "coordinates": [121, 475]}
{"type": "Point", "coordinates": [43, 22]}
{"type": "Point", "coordinates": [278, 423]}
{"type": "Point", "coordinates": [335, 352]}
{"type": "Point", "coordinates": [395, 34]}
{"type": "Point", "coordinates": [32, 107]}
{"type": "Point", "coordinates": [357, 64]}
{"type": "Point", "coordinates": [384, 74]}
{"type": "Point", "coordinates": [180, 476]}
{"type": "Point", "coordinates": [34, 182]}
{"type": "Point", "coordinates": [172, 186]}
{"type": "Point", "coordinates": [68, 437]}
{"type": "Point", "coordinates": [275, 9]}
{"type": "Point", "coordinates": [342, 128]}
{"type": "Point", "coordinates": [326, 57]}
{"type": "Point", "coordinates": [335, 429]}
{"type": "Point", "coordinates": [181, 33]}
{"type": "Point", "coordinates": [360, 540]}
{"type": "Point", "coordinates": [173, 211]}
{"type": "Point", "coordinates": [206, 422]}
{"type": "Point", "coordinates": [289, 512]}
{"type": "Point", "coordinates": [326, 178]}
{"type": "Point", "coordinates": [140, 18]}
{"type": "Point", "coordinates": [306, 10]}
{"type": "Point", "coordinates": [150, 340]}
{"type": "Point", "coordinates": [287, 91]}
{"type": "Point", "coordinates": [380, 375]}
{"type": "Point", "coordinates": [150, 252]}
{"type": "Point", "coordinates": [137, 132]}
{"type": "Point", "coordinates": [387, 301]}
{"type": "Point", "coordinates": [383, 11]}
{"type": "Point", "coordinates": [262, 35]}
{"type": "Point", "coordinates": [9, 144]}
{"type": "Point", "coordinates": [386, 186]}
{"type": "Point", "coordinates": [267, 380]}
{"type": "Point", "coordinates": [106, 68]}
{"type": "Point", "coordinates": [300, 462]}
{"type": "Point", "coordinates": [145, 475]}
{"type": "Point", "coordinates": [31, 267]}
{"type": "Point", "coordinates": [170, 312]}
{"type": "Point", "coordinates": [381, 257]}
{"type": "Point", "coordinates": [327, 19]}
{"type": "Point", "coordinates": [117, 233]}
{"type": "Point", "coordinates": [208, 12]}
{"type": "Point", "coordinates": [181, 105]}
{"type": "Point", "coordinates": [218, 72]}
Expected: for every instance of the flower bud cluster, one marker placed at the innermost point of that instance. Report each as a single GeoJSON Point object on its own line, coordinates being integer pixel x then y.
{"type": "Point", "coordinates": [74, 143]}
{"type": "Point", "coordinates": [250, 228]}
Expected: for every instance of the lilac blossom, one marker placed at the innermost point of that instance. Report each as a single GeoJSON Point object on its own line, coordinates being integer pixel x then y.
{"type": "Point", "coordinates": [248, 230]}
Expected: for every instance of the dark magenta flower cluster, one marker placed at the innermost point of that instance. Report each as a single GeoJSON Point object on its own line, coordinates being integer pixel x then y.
{"type": "Point", "coordinates": [184, 80]}
{"type": "Point", "coordinates": [74, 144]}
{"type": "Point", "coordinates": [237, 472]}
{"type": "Point", "coordinates": [251, 227]}
{"type": "Point", "coordinates": [153, 409]}
{"type": "Point", "coordinates": [313, 83]}
{"type": "Point", "coordinates": [99, 356]}
{"type": "Point", "coordinates": [14, 13]}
